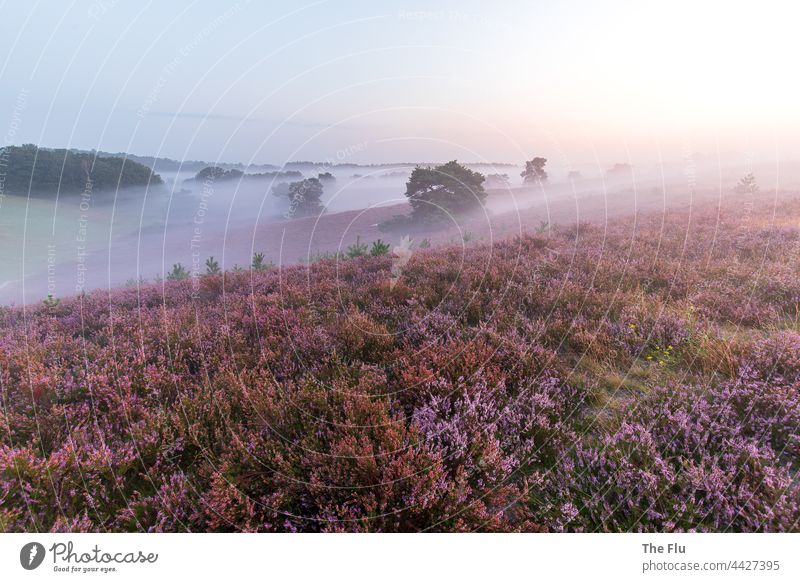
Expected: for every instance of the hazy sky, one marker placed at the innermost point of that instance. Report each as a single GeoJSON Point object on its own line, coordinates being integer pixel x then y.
{"type": "Point", "coordinates": [402, 81]}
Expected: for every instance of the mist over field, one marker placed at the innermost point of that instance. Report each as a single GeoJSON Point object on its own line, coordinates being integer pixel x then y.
{"type": "Point", "coordinates": [64, 244]}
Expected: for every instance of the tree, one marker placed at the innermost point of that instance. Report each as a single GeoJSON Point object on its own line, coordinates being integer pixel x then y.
{"type": "Point", "coordinates": [46, 172]}
{"type": "Point", "coordinates": [258, 263]}
{"type": "Point", "coordinates": [534, 171]}
{"type": "Point", "coordinates": [379, 248]}
{"type": "Point", "coordinates": [326, 177]}
{"type": "Point", "coordinates": [304, 197]}
{"type": "Point", "coordinates": [574, 175]}
{"type": "Point", "coordinates": [747, 185]}
{"type": "Point", "coordinates": [217, 174]}
{"type": "Point", "coordinates": [51, 302]}
{"type": "Point", "coordinates": [212, 266]}
{"type": "Point", "coordinates": [178, 273]}
{"type": "Point", "coordinates": [357, 249]}
{"type": "Point", "coordinates": [447, 189]}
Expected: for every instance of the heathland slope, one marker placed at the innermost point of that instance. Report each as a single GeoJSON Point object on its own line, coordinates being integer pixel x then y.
{"type": "Point", "coordinates": [637, 375]}
{"type": "Point", "coordinates": [46, 172]}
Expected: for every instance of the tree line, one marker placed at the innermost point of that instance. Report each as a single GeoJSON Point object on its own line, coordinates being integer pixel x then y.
{"type": "Point", "coordinates": [43, 172]}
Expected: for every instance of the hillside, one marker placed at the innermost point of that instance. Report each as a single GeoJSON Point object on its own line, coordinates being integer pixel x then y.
{"type": "Point", "coordinates": [638, 375]}
{"type": "Point", "coordinates": [45, 172]}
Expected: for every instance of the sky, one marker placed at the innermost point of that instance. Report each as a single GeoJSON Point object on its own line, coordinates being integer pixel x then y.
{"type": "Point", "coordinates": [371, 82]}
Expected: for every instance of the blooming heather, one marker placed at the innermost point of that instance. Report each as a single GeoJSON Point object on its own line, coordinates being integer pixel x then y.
{"type": "Point", "coordinates": [635, 376]}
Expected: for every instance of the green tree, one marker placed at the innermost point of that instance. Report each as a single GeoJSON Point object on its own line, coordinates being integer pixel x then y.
{"type": "Point", "coordinates": [357, 249]}
{"type": "Point", "coordinates": [177, 273]}
{"type": "Point", "coordinates": [747, 185]}
{"type": "Point", "coordinates": [534, 171]}
{"type": "Point", "coordinates": [217, 174]}
{"type": "Point", "coordinates": [51, 302]}
{"type": "Point", "coordinates": [259, 264]}
{"type": "Point", "coordinates": [212, 266]}
{"type": "Point", "coordinates": [447, 189]}
{"type": "Point", "coordinates": [47, 171]}
{"type": "Point", "coordinates": [305, 197]}
{"type": "Point", "coordinates": [379, 248]}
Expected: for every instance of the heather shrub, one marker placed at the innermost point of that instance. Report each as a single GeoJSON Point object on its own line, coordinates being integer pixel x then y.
{"type": "Point", "coordinates": [777, 355]}
{"type": "Point", "coordinates": [615, 378]}
{"type": "Point", "coordinates": [689, 459]}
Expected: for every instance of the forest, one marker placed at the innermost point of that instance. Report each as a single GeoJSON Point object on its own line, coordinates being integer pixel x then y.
{"type": "Point", "coordinates": [43, 172]}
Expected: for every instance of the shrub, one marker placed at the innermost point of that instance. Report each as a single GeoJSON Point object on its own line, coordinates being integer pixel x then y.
{"type": "Point", "coordinates": [690, 458]}
{"type": "Point", "coordinates": [177, 273]}
{"type": "Point", "coordinates": [379, 248]}
{"type": "Point", "coordinates": [212, 266]}
{"type": "Point", "coordinates": [357, 249]}
{"type": "Point", "coordinates": [258, 263]}
{"type": "Point", "coordinates": [778, 355]}
{"type": "Point", "coordinates": [397, 222]}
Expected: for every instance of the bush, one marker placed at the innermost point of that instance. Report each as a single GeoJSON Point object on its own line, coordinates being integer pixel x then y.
{"type": "Point", "coordinates": [357, 249]}
{"type": "Point", "coordinates": [778, 356]}
{"type": "Point", "coordinates": [688, 459]}
{"type": "Point", "coordinates": [212, 267]}
{"type": "Point", "coordinates": [258, 263]}
{"type": "Point", "coordinates": [396, 223]}
{"type": "Point", "coordinates": [177, 273]}
{"type": "Point", "coordinates": [379, 248]}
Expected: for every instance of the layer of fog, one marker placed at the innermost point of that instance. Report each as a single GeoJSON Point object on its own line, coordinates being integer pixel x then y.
{"type": "Point", "coordinates": [71, 243]}
{"type": "Point", "coordinates": [62, 247]}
